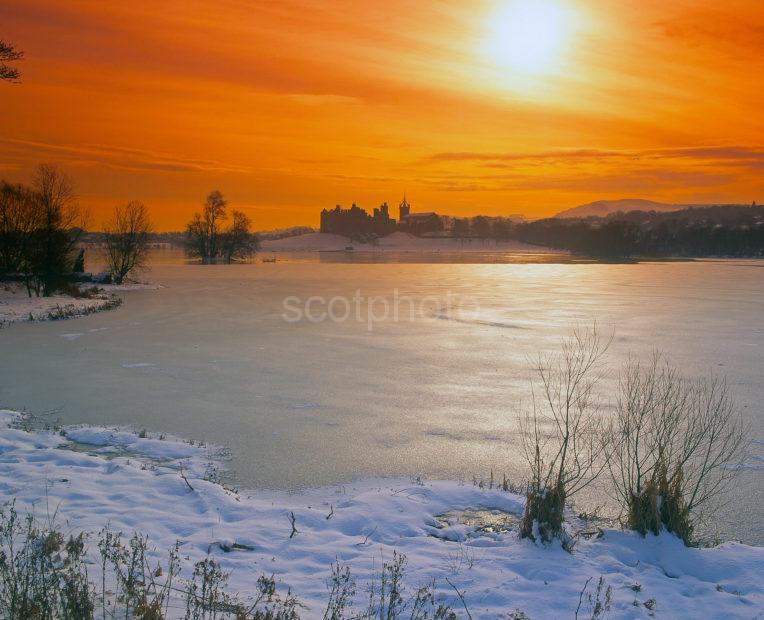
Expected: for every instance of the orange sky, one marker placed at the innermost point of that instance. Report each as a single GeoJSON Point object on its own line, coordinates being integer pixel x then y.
{"type": "Point", "coordinates": [288, 106]}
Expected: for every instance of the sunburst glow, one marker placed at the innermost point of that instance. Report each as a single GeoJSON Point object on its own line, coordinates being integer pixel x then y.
{"type": "Point", "coordinates": [528, 36]}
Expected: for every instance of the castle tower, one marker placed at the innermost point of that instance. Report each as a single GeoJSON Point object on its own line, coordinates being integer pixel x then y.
{"type": "Point", "coordinates": [403, 209]}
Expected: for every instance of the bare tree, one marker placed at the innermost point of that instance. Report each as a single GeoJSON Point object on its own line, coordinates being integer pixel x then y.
{"type": "Point", "coordinates": [8, 53]}
{"type": "Point", "coordinates": [19, 218]}
{"type": "Point", "coordinates": [675, 444]}
{"type": "Point", "coordinates": [203, 232]}
{"type": "Point", "coordinates": [127, 238]}
{"type": "Point", "coordinates": [208, 240]}
{"type": "Point", "coordinates": [562, 435]}
{"type": "Point", "coordinates": [238, 242]}
{"type": "Point", "coordinates": [58, 231]}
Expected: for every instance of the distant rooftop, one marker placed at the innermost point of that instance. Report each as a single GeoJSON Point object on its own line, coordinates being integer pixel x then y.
{"type": "Point", "coordinates": [416, 215]}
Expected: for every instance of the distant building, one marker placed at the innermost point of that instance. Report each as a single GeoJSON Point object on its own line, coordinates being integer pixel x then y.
{"type": "Point", "coordinates": [417, 223]}
{"type": "Point", "coordinates": [359, 225]}
{"type": "Point", "coordinates": [382, 212]}
{"type": "Point", "coordinates": [403, 209]}
{"type": "Point", "coordinates": [356, 223]}
{"type": "Point", "coordinates": [422, 223]}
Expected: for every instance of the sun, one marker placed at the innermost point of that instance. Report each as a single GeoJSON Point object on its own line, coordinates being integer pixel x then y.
{"type": "Point", "coordinates": [528, 36]}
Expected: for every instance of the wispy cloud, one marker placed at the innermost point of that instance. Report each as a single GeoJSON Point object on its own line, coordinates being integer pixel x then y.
{"type": "Point", "coordinates": [557, 155]}
{"type": "Point", "coordinates": [732, 154]}
{"type": "Point", "coordinates": [718, 27]}
{"type": "Point", "coordinates": [312, 99]}
{"type": "Point", "coordinates": [119, 157]}
{"type": "Point", "coordinates": [715, 153]}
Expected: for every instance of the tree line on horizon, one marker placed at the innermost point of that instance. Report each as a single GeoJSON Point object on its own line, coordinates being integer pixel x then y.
{"type": "Point", "coordinates": [42, 228]}
{"type": "Point", "coordinates": [719, 230]}
{"type": "Point", "coordinates": [724, 230]}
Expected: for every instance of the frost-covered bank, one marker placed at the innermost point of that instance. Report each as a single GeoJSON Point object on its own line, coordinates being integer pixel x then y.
{"type": "Point", "coordinates": [16, 305]}
{"type": "Point", "coordinates": [164, 488]}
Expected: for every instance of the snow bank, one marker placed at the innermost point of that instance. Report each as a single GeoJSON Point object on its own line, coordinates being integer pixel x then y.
{"type": "Point", "coordinates": [16, 305]}
{"type": "Point", "coordinates": [128, 441]}
{"type": "Point", "coordinates": [361, 524]}
{"type": "Point", "coordinates": [310, 242]}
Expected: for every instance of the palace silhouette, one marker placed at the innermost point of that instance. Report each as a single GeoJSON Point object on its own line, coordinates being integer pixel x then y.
{"type": "Point", "coordinates": [356, 223]}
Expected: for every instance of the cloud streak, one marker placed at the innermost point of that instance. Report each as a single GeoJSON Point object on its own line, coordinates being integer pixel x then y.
{"type": "Point", "coordinates": [722, 29]}
{"type": "Point", "coordinates": [745, 154]}
{"type": "Point", "coordinates": [117, 157]}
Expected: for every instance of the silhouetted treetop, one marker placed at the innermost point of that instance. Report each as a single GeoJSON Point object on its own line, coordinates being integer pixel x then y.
{"type": "Point", "coordinates": [8, 53]}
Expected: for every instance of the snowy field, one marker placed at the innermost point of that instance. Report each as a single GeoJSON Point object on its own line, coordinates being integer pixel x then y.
{"type": "Point", "coordinates": [90, 477]}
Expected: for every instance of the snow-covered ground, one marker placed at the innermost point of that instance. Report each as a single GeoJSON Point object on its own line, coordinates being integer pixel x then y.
{"type": "Point", "coordinates": [17, 305]}
{"type": "Point", "coordinates": [310, 242]}
{"type": "Point", "coordinates": [93, 476]}
{"type": "Point", "coordinates": [397, 242]}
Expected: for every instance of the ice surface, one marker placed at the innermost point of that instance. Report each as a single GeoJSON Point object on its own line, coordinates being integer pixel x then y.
{"type": "Point", "coordinates": [430, 396]}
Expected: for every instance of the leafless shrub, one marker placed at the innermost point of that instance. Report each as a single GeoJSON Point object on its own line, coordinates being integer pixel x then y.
{"type": "Point", "coordinates": [42, 575]}
{"type": "Point", "coordinates": [70, 311]}
{"type": "Point", "coordinates": [388, 600]}
{"type": "Point", "coordinates": [675, 444]}
{"type": "Point", "coordinates": [141, 588]}
{"type": "Point", "coordinates": [562, 435]}
{"type": "Point", "coordinates": [205, 596]}
{"type": "Point", "coordinates": [463, 558]}
{"type": "Point", "coordinates": [598, 602]}
{"type": "Point", "coordinates": [268, 605]}
{"type": "Point", "coordinates": [385, 592]}
{"type": "Point", "coordinates": [341, 587]}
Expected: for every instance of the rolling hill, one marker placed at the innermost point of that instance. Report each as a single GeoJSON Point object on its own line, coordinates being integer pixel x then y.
{"type": "Point", "coordinates": [602, 208]}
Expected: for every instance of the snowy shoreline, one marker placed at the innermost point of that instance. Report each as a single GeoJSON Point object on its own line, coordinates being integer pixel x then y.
{"type": "Point", "coordinates": [166, 488]}
{"type": "Point", "coordinates": [17, 306]}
